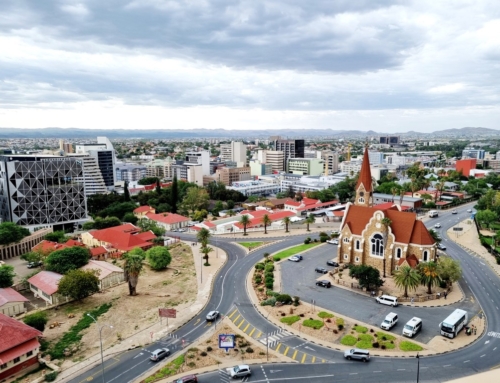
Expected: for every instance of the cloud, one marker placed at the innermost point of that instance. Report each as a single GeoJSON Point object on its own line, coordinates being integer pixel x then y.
{"type": "Point", "coordinates": [447, 89]}
{"type": "Point", "coordinates": [77, 9]}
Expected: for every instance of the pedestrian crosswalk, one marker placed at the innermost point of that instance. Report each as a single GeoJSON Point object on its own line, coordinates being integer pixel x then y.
{"type": "Point", "coordinates": [274, 340]}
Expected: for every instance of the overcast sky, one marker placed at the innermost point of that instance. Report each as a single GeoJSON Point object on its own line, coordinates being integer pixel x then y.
{"type": "Point", "coordinates": [389, 66]}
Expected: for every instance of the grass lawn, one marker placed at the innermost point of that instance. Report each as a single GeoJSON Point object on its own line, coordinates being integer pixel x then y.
{"type": "Point", "coordinates": [382, 336]}
{"type": "Point", "coordinates": [349, 340]}
{"type": "Point", "coordinates": [294, 250]}
{"type": "Point", "coordinates": [313, 323]}
{"type": "Point", "coordinates": [290, 320]}
{"type": "Point", "coordinates": [360, 329]}
{"type": "Point", "coordinates": [251, 245]}
{"type": "Point", "coordinates": [324, 315]}
{"type": "Point", "coordinates": [409, 346]}
{"type": "Point", "coordinates": [388, 345]}
{"type": "Point", "coordinates": [365, 341]}
{"type": "Point", "coordinates": [340, 321]}
{"type": "Point", "coordinates": [169, 369]}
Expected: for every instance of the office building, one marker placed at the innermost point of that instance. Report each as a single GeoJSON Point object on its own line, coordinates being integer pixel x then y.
{"type": "Point", "coordinates": [130, 171]}
{"type": "Point", "coordinates": [290, 149]}
{"type": "Point", "coordinates": [275, 158]}
{"type": "Point", "coordinates": [331, 162]}
{"type": "Point", "coordinates": [104, 152]}
{"type": "Point", "coordinates": [257, 168]}
{"type": "Point", "coordinates": [478, 154]}
{"type": "Point", "coordinates": [65, 147]}
{"type": "Point", "coordinates": [305, 166]}
{"type": "Point", "coordinates": [376, 158]}
{"type": "Point", "coordinates": [201, 158]}
{"type": "Point", "coordinates": [160, 168]}
{"type": "Point", "coordinates": [230, 175]}
{"type": "Point", "coordinates": [389, 140]}
{"type": "Point", "coordinates": [235, 152]}
{"type": "Point", "coordinates": [42, 191]}
{"type": "Point", "coordinates": [92, 177]}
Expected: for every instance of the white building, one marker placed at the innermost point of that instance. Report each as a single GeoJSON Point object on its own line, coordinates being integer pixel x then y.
{"type": "Point", "coordinates": [275, 158]}
{"type": "Point", "coordinates": [249, 188]}
{"type": "Point", "coordinates": [376, 158]}
{"type": "Point", "coordinates": [350, 167]}
{"type": "Point", "coordinates": [234, 152]}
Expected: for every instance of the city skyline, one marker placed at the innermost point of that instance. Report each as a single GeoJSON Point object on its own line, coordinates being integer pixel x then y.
{"type": "Point", "coordinates": [390, 67]}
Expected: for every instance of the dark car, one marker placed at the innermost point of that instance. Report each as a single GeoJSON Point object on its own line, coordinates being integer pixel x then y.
{"type": "Point", "coordinates": [159, 354]}
{"type": "Point", "coordinates": [32, 265]}
{"type": "Point", "coordinates": [187, 379]}
{"type": "Point", "coordinates": [324, 283]}
{"type": "Point", "coordinates": [332, 263]}
{"type": "Point", "coordinates": [321, 270]}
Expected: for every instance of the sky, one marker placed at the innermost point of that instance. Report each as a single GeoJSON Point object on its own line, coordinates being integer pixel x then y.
{"type": "Point", "coordinates": [388, 66]}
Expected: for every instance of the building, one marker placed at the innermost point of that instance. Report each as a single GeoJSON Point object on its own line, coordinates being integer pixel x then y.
{"type": "Point", "coordinates": [234, 152]}
{"type": "Point", "coordinates": [306, 166]}
{"type": "Point", "coordinates": [19, 348]}
{"type": "Point", "coordinates": [11, 302]}
{"type": "Point", "coordinates": [465, 166]}
{"type": "Point", "coordinates": [290, 149]}
{"type": "Point", "coordinates": [389, 140]}
{"type": "Point", "coordinates": [38, 191]}
{"type": "Point", "coordinates": [161, 169]}
{"type": "Point", "coordinates": [478, 154]}
{"type": "Point", "coordinates": [331, 162]}
{"type": "Point", "coordinates": [350, 167]}
{"type": "Point", "coordinates": [66, 147]}
{"type": "Point", "coordinates": [109, 275]}
{"type": "Point", "coordinates": [230, 175]}
{"type": "Point", "coordinates": [376, 158]}
{"type": "Point", "coordinates": [24, 245]}
{"type": "Point", "coordinates": [275, 158]}
{"type": "Point", "coordinates": [121, 238]}
{"type": "Point", "coordinates": [170, 221]}
{"type": "Point", "coordinates": [381, 237]}
{"type": "Point", "coordinates": [201, 158]}
{"type": "Point", "coordinates": [92, 176]}
{"type": "Point", "coordinates": [259, 188]}
{"type": "Point", "coordinates": [104, 153]}
{"type": "Point", "coordinates": [130, 172]}
{"type": "Point", "coordinates": [257, 168]}
{"type": "Point", "coordinates": [45, 285]}
{"type": "Point", "coordinates": [142, 211]}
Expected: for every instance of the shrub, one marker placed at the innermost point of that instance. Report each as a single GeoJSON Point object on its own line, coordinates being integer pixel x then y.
{"type": "Point", "coordinates": [272, 293]}
{"type": "Point", "coordinates": [259, 266]}
{"type": "Point", "coordinates": [249, 350]}
{"type": "Point", "coordinates": [290, 320]}
{"type": "Point", "coordinates": [498, 260]}
{"type": "Point", "coordinates": [340, 326]}
{"type": "Point", "coordinates": [443, 284]}
{"type": "Point", "coordinates": [301, 315]}
{"type": "Point", "coordinates": [409, 346]}
{"type": "Point", "coordinates": [307, 241]}
{"type": "Point", "coordinates": [340, 323]}
{"type": "Point", "coordinates": [268, 302]}
{"type": "Point", "coordinates": [324, 314]}
{"type": "Point", "coordinates": [382, 347]}
{"type": "Point", "coordinates": [36, 320]}
{"type": "Point", "coordinates": [209, 348]}
{"type": "Point", "coordinates": [313, 323]}
{"type": "Point", "coordinates": [375, 345]}
{"type": "Point", "coordinates": [191, 364]}
{"type": "Point", "coordinates": [323, 239]}
{"type": "Point", "coordinates": [258, 280]}
{"type": "Point", "coordinates": [260, 289]}
{"type": "Point", "coordinates": [315, 239]}
{"type": "Point", "coordinates": [296, 300]}
{"type": "Point", "coordinates": [276, 258]}
{"type": "Point", "coordinates": [269, 274]}
{"type": "Point", "coordinates": [269, 267]}
{"type": "Point", "coordinates": [270, 284]}
{"type": "Point", "coordinates": [51, 376]}
{"type": "Point", "coordinates": [203, 353]}
{"type": "Point", "coordinates": [360, 329]}
{"type": "Point", "coordinates": [269, 279]}
{"type": "Point", "coordinates": [284, 298]}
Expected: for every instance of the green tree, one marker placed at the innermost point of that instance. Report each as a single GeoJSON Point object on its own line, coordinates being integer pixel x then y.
{"type": "Point", "coordinates": [219, 206]}
{"type": "Point", "coordinates": [310, 220]}
{"type": "Point", "coordinates": [205, 250]}
{"type": "Point", "coordinates": [130, 218]}
{"type": "Point", "coordinates": [37, 320]}
{"type": "Point", "coordinates": [486, 217]}
{"type": "Point", "coordinates": [7, 275]}
{"type": "Point", "coordinates": [117, 209]}
{"type": "Point", "coordinates": [195, 199]}
{"type": "Point", "coordinates": [11, 233]}
{"type": "Point", "coordinates": [203, 236]}
{"type": "Point", "coordinates": [79, 284]}
{"type": "Point", "coordinates": [158, 257]}
{"type": "Point", "coordinates": [149, 225]}
{"type": "Point", "coordinates": [230, 204]}
{"type": "Point", "coordinates": [158, 187]}
{"type": "Point", "coordinates": [245, 221]}
{"type": "Point", "coordinates": [449, 269]}
{"type": "Point", "coordinates": [98, 202]}
{"type": "Point", "coordinates": [435, 236]}
{"type": "Point", "coordinates": [266, 221]}
{"type": "Point", "coordinates": [367, 276]}
{"type": "Point", "coordinates": [200, 215]}
{"type": "Point", "coordinates": [286, 221]}
{"type": "Point", "coordinates": [407, 278]}
{"type": "Point", "coordinates": [101, 223]}
{"type": "Point", "coordinates": [137, 251]}
{"type": "Point", "coordinates": [70, 258]}
{"type": "Point", "coordinates": [148, 181]}
{"type": "Point", "coordinates": [132, 267]}
{"type": "Point", "coordinates": [126, 192]}
{"type": "Point", "coordinates": [429, 275]}
{"type": "Point", "coordinates": [56, 236]}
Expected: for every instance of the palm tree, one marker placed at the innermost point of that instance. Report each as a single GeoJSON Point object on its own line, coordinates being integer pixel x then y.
{"type": "Point", "coordinates": [132, 268]}
{"type": "Point", "coordinates": [245, 221]}
{"type": "Point", "coordinates": [407, 278]}
{"type": "Point", "coordinates": [435, 236]}
{"type": "Point", "coordinates": [205, 250]}
{"type": "Point", "coordinates": [429, 275]}
{"type": "Point", "coordinates": [394, 191]}
{"type": "Point", "coordinates": [310, 219]}
{"type": "Point", "coordinates": [286, 221]}
{"type": "Point", "coordinates": [203, 236]}
{"type": "Point", "coordinates": [266, 221]}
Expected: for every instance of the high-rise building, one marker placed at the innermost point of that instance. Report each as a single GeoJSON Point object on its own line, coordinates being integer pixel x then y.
{"type": "Point", "coordinates": [290, 149]}
{"type": "Point", "coordinates": [275, 158]}
{"type": "Point", "coordinates": [92, 177]}
{"type": "Point", "coordinates": [478, 154]}
{"type": "Point", "coordinates": [389, 140]}
{"type": "Point", "coordinates": [376, 158]}
{"type": "Point", "coordinates": [65, 147]}
{"type": "Point", "coordinates": [306, 166]}
{"type": "Point", "coordinates": [161, 168]}
{"type": "Point", "coordinates": [40, 191]}
{"type": "Point", "coordinates": [235, 152]}
{"type": "Point", "coordinates": [229, 175]}
{"type": "Point", "coordinates": [331, 161]}
{"type": "Point", "coordinates": [130, 171]}
{"type": "Point", "coordinates": [104, 152]}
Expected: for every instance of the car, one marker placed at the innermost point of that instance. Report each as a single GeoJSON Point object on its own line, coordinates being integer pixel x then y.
{"type": "Point", "coordinates": [294, 259]}
{"type": "Point", "coordinates": [333, 241]}
{"type": "Point", "coordinates": [437, 225]}
{"type": "Point", "coordinates": [324, 283]}
{"type": "Point", "coordinates": [358, 354]}
{"type": "Point", "coordinates": [454, 212]}
{"type": "Point", "coordinates": [187, 379]}
{"type": "Point", "coordinates": [32, 265]}
{"type": "Point", "coordinates": [239, 371]}
{"type": "Point", "coordinates": [181, 230]}
{"type": "Point", "coordinates": [212, 315]}
{"type": "Point", "coordinates": [159, 354]}
{"type": "Point", "coordinates": [321, 270]}
{"type": "Point", "coordinates": [332, 263]}
{"type": "Point", "coordinates": [440, 246]}
{"type": "Point", "coordinates": [469, 210]}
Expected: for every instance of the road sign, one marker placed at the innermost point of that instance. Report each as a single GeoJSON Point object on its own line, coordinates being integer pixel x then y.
{"type": "Point", "coordinates": [458, 228]}
{"type": "Point", "coordinates": [168, 313]}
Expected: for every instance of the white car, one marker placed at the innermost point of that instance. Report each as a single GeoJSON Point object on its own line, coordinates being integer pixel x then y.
{"type": "Point", "coordinates": [454, 212]}
{"type": "Point", "coordinates": [333, 241]}
{"type": "Point", "coordinates": [437, 225]}
{"type": "Point", "coordinates": [469, 210]}
{"type": "Point", "coordinates": [295, 258]}
{"type": "Point", "coordinates": [239, 371]}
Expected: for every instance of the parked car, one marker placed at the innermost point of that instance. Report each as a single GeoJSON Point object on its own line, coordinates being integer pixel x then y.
{"type": "Point", "coordinates": [159, 354]}
{"type": "Point", "coordinates": [212, 315]}
{"type": "Point", "coordinates": [332, 263]}
{"type": "Point", "coordinates": [187, 379]}
{"type": "Point", "coordinates": [357, 353]}
{"type": "Point", "coordinates": [181, 230]}
{"type": "Point", "coordinates": [239, 371]}
{"type": "Point", "coordinates": [441, 246]}
{"type": "Point", "coordinates": [454, 212]}
{"type": "Point", "coordinates": [390, 321]}
{"type": "Point", "coordinates": [32, 265]}
{"type": "Point", "coordinates": [437, 225]}
{"type": "Point", "coordinates": [388, 300]}
{"type": "Point", "coordinates": [469, 210]}
{"type": "Point", "coordinates": [321, 270]}
{"type": "Point", "coordinates": [324, 283]}
{"type": "Point", "coordinates": [295, 258]}
{"type": "Point", "coordinates": [333, 241]}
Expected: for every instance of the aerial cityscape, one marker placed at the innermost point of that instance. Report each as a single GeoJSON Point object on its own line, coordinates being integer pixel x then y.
{"type": "Point", "coordinates": [212, 191]}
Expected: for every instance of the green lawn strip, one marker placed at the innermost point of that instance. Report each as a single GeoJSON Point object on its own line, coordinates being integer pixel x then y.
{"type": "Point", "coordinates": [73, 335]}
{"type": "Point", "coordinates": [290, 320]}
{"type": "Point", "coordinates": [388, 345]}
{"type": "Point", "coordinates": [349, 340]}
{"type": "Point", "coordinates": [339, 321]}
{"type": "Point", "coordinates": [360, 329]}
{"type": "Point", "coordinates": [313, 323]}
{"type": "Point", "coordinates": [250, 245]}
{"type": "Point", "coordinates": [294, 250]}
{"type": "Point", "coordinates": [324, 315]}
{"type": "Point", "coordinates": [382, 336]}
{"type": "Point", "coordinates": [409, 346]}
{"type": "Point", "coordinates": [170, 369]}
{"type": "Point", "coordinates": [365, 341]}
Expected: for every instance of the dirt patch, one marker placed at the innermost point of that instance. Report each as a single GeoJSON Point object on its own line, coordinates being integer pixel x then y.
{"type": "Point", "coordinates": [175, 287]}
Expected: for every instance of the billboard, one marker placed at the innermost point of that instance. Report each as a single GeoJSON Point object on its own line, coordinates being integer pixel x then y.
{"type": "Point", "coordinates": [226, 341]}
{"type": "Point", "coordinates": [168, 313]}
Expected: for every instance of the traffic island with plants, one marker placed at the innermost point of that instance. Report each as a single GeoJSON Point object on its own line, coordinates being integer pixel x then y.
{"type": "Point", "coordinates": [252, 245]}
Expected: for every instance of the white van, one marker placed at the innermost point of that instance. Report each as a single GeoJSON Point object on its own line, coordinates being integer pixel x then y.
{"type": "Point", "coordinates": [433, 213]}
{"type": "Point", "coordinates": [412, 327]}
{"type": "Point", "coordinates": [387, 300]}
{"type": "Point", "coordinates": [390, 321]}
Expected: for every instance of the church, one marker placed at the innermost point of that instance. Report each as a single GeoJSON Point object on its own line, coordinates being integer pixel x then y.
{"type": "Point", "coordinates": [385, 238]}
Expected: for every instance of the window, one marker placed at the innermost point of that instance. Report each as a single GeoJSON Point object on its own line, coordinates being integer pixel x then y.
{"type": "Point", "coordinates": [398, 253]}
{"type": "Point", "coordinates": [345, 256]}
{"type": "Point", "coordinates": [377, 243]}
{"type": "Point", "coordinates": [357, 259]}
{"type": "Point", "coordinates": [3, 366]}
{"type": "Point", "coordinates": [361, 200]}
{"type": "Point", "coordinates": [357, 244]}
{"type": "Point", "coordinates": [29, 353]}
{"type": "Point", "coordinates": [346, 240]}
{"type": "Point", "coordinates": [425, 255]}
{"type": "Point", "coordinates": [16, 360]}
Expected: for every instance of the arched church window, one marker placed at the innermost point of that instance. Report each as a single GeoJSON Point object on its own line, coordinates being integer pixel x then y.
{"type": "Point", "coordinates": [426, 256]}
{"type": "Point", "coordinates": [398, 253]}
{"type": "Point", "coordinates": [377, 245]}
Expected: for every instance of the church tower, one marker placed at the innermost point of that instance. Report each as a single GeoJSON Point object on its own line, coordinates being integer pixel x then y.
{"type": "Point", "coordinates": [364, 188]}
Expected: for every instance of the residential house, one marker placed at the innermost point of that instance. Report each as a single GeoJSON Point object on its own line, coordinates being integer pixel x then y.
{"type": "Point", "coordinates": [19, 347]}
{"type": "Point", "coordinates": [45, 285]}
{"type": "Point", "coordinates": [143, 211]}
{"type": "Point", "coordinates": [307, 205]}
{"type": "Point", "coordinates": [109, 275]}
{"type": "Point", "coordinates": [99, 253]}
{"type": "Point", "coordinates": [47, 247]}
{"type": "Point", "coordinates": [170, 221]}
{"type": "Point", "coordinates": [11, 302]}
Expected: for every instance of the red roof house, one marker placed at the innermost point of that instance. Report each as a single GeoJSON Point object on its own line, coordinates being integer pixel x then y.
{"type": "Point", "coordinates": [11, 302]}
{"type": "Point", "coordinates": [119, 238]}
{"type": "Point", "coordinates": [44, 285]}
{"type": "Point", "coordinates": [19, 347]}
{"type": "Point", "coordinates": [170, 221]}
{"type": "Point", "coordinates": [142, 211]}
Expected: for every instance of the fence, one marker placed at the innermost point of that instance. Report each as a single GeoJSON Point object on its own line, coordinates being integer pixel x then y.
{"type": "Point", "coordinates": [24, 245]}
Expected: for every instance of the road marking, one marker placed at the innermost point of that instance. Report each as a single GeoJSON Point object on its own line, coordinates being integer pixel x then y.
{"type": "Point", "coordinates": [294, 354]}
{"type": "Point", "coordinates": [482, 355]}
{"type": "Point", "coordinates": [235, 319]}
{"type": "Point", "coordinates": [278, 348]}
{"type": "Point", "coordinates": [309, 348]}
{"type": "Point", "coordinates": [401, 369]}
{"type": "Point", "coordinates": [246, 328]}
{"type": "Point", "coordinates": [234, 312]}
{"type": "Point", "coordinates": [303, 358]}
{"type": "Point", "coordinates": [313, 359]}
{"type": "Point", "coordinates": [273, 371]}
{"type": "Point", "coordinates": [197, 321]}
{"type": "Point", "coordinates": [494, 349]}
{"type": "Point", "coordinates": [138, 355]}
{"type": "Point", "coordinates": [286, 351]}
{"type": "Point", "coordinates": [251, 332]}
{"type": "Point", "coordinates": [241, 323]}
{"type": "Point", "coordinates": [259, 334]}
{"type": "Point", "coordinates": [447, 365]}
{"type": "Point", "coordinates": [466, 361]}
{"type": "Point", "coordinates": [323, 361]}
{"type": "Point", "coordinates": [353, 373]}
{"type": "Point", "coordinates": [377, 371]}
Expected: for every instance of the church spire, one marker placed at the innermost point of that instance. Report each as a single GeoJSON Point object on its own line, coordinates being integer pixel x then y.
{"type": "Point", "coordinates": [364, 186]}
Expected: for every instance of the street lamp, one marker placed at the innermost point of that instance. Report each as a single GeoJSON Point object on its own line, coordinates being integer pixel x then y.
{"type": "Point", "coordinates": [418, 366]}
{"type": "Point", "coordinates": [100, 340]}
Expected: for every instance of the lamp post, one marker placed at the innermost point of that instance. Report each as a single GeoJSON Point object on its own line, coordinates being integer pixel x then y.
{"type": "Point", "coordinates": [418, 366]}
{"type": "Point", "coordinates": [100, 340]}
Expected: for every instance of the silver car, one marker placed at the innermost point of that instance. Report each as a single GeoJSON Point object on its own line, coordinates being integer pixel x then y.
{"type": "Point", "coordinates": [357, 353]}
{"type": "Point", "coordinates": [159, 354]}
{"type": "Point", "coordinates": [212, 315]}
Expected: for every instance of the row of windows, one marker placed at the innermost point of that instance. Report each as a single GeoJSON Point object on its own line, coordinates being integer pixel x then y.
{"type": "Point", "coordinates": [16, 360]}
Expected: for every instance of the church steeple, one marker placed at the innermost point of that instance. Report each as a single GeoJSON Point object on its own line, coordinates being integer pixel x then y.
{"type": "Point", "coordinates": [364, 188]}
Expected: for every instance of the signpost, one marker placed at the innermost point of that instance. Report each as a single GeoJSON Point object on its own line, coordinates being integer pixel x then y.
{"type": "Point", "coordinates": [226, 341]}
{"type": "Point", "coordinates": [167, 313]}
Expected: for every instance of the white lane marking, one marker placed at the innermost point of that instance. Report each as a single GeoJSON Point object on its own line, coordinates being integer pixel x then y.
{"type": "Point", "coordinates": [482, 355]}
{"type": "Point", "coordinates": [447, 365]}
{"type": "Point", "coordinates": [466, 361]}
{"type": "Point", "coordinates": [401, 369]}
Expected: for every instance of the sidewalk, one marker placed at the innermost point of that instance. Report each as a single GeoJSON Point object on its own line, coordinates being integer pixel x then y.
{"type": "Point", "coordinates": [160, 329]}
